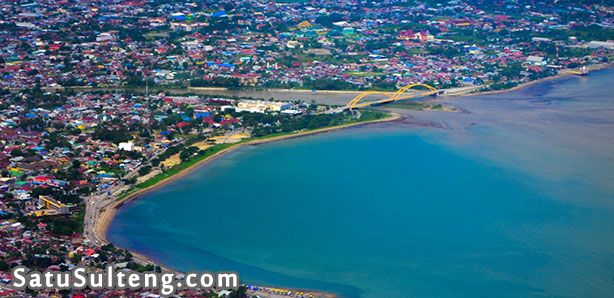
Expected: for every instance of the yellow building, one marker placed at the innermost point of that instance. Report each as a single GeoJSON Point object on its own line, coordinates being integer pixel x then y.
{"type": "Point", "coordinates": [51, 204]}
{"type": "Point", "coordinates": [304, 24]}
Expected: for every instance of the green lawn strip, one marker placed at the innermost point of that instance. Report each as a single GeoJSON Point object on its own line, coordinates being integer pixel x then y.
{"type": "Point", "coordinates": [368, 115]}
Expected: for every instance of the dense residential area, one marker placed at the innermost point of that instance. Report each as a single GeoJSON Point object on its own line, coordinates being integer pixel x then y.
{"type": "Point", "coordinates": [61, 151]}
{"type": "Point", "coordinates": [77, 126]}
{"type": "Point", "coordinates": [298, 44]}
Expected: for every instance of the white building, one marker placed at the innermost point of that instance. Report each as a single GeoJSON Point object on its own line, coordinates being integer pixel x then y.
{"type": "Point", "coordinates": [537, 60]}
{"type": "Point", "coordinates": [601, 44]}
{"type": "Point", "coordinates": [262, 106]}
{"type": "Point", "coordinates": [126, 146]}
{"type": "Point", "coordinates": [105, 37]}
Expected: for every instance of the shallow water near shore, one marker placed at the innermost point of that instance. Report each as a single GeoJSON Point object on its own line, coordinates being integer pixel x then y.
{"type": "Point", "coordinates": [513, 199]}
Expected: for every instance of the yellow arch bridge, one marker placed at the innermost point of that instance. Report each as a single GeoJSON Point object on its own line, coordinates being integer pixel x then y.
{"type": "Point", "coordinates": [391, 96]}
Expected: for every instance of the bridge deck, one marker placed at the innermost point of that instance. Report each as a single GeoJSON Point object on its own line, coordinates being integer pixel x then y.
{"type": "Point", "coordinates": [389, 96]}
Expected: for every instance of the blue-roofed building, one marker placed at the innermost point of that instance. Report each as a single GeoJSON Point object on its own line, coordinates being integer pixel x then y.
{"type": "Point", "coordinates": [219, 14]}
{"type": "Point", "coordinates": [178, 16]}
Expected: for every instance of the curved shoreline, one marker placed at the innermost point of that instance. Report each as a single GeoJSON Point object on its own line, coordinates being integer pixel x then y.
{"type": "Point", "coordinates": [595, 67]}
{"type": "Point", "coordinates": [108, 212]}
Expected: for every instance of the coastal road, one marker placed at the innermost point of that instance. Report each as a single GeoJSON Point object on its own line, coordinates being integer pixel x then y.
{"type": "Point", "coordinates": [99, 201]}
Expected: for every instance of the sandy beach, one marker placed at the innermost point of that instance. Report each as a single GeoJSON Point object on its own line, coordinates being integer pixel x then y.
{"type": "Point", "coordinates": [107, 214]}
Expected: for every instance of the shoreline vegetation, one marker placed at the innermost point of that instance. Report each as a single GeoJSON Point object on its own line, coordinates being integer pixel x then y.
{"type": "Point", "coordinates": [108, 212]}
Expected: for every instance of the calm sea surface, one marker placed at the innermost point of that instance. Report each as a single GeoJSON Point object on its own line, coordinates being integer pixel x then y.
{"type": "Point", "coordinates": [513, 199]}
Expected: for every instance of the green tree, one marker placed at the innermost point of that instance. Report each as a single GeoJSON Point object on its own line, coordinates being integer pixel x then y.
{"type": "Point", "coordinates": [144, 170]}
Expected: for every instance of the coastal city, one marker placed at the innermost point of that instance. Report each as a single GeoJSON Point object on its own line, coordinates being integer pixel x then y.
{"type": "Point", "coordinates": [64, 153]}
{"type": "Point", "coordinates": [327, 45]}
{"type": "Point", "coordinates": [102, 100]}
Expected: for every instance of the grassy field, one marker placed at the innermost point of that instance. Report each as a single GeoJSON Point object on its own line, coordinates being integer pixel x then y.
{"type": "Point", "coordinates": [414, 105]}
{"type": "Point", "coordinates": [363, 73]}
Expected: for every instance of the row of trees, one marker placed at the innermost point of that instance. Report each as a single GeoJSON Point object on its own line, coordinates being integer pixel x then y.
{"type": "Point", "coordinates": [230, 83]}
{"type": "Point", "coordinates": [116, 136]}
{"type": "Point", "coordinates": [283, 123]}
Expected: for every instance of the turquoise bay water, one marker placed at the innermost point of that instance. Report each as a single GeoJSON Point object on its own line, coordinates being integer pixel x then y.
{"type": "Point", "coordinates": [391, 210]}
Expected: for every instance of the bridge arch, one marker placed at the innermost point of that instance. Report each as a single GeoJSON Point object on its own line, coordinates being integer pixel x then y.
{"type": "Point", "coordinates": [391, 96]}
